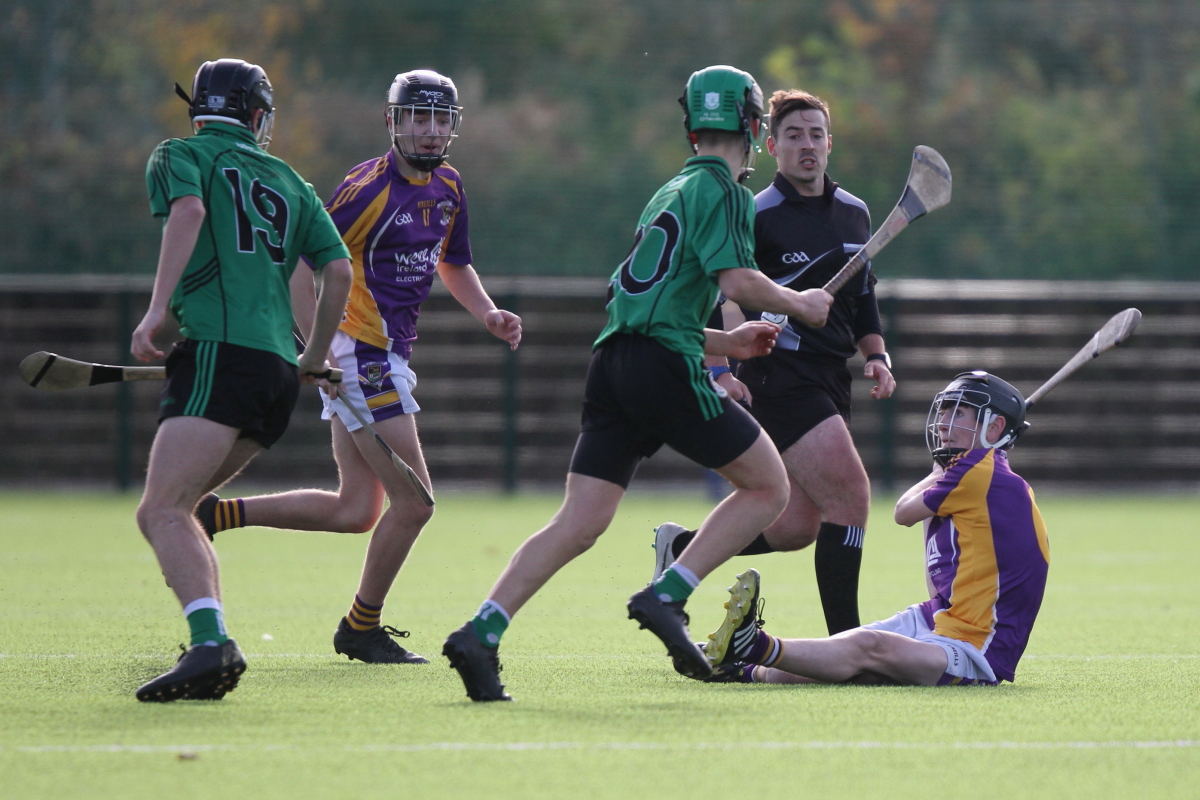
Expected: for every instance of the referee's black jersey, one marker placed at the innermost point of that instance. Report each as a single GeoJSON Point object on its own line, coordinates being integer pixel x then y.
{"type": "Point", "coordinates": [801, 242]}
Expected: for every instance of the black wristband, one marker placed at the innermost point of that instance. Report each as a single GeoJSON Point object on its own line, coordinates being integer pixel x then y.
{"type": "Point", "coordinates": [884, 357]}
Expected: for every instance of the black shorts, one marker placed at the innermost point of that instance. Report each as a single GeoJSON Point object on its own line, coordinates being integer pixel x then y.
{"type": "Point", "coordinates": [793, 394]}
{"type": "Point", "coordinates": [640, 396]}
{"type": "Point", "coordinates": [244, 388]}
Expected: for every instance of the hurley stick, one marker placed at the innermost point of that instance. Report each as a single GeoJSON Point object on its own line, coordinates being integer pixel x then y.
{"type": "Point", "coordinates": [928, 188]}
{"type": "Point", "coordinates": [1114, 332]}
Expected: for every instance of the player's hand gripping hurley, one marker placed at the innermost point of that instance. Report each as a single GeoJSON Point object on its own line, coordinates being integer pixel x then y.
{"type": "Point", "coordinates": [928, 188]}
{"type": "Point", "coordinates": [1114, 332]}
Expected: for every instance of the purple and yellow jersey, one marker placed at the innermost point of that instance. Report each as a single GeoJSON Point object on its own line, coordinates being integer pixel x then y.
{"type": "Point", "coordinates": [986, 556]}
{"type": "Point", "coordinates": [397, 231]}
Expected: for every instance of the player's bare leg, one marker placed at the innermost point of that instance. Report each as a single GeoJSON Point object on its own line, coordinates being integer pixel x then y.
{"type": "Point", "coordinates": [353, 508]}
{"type": "Point", "coordinates": [187, 451]}
{"type": "Point", "coordinates": [833, 485]}
{"type": "Point", "coordinates": [587, 509]}
{"type": "Point", "coordinates": [242, 453]}
{"type": "Point", "coordinates": [360, 634]}
{"type": "Point", "coordinates": [586, 512]}
{"type": "Point", "coordinates": [407, 514]}
{"type": "Point", "coordinates": [760, 493]}
{"type": "Point", "coordinates": [830, 501]}
{"type": "Point", "coordinates": [845, 657]}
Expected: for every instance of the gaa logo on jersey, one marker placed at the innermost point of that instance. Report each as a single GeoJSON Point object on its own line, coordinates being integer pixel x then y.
{"type": "Point", "coordinates": [374, 374]}
{"type": "Point", "coordinates": [712, 100]}
{"type": "Point", "coordinates": [795, 258]}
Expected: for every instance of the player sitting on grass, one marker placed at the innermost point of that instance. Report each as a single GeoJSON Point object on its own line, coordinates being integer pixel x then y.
{"type": "Point", "coordinates": [647, 386]}
{"type": "Point", "coordinates": [986, 558]}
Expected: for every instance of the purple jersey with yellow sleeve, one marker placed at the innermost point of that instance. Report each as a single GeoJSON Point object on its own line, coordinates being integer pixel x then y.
{"type": "Point", "coordinates": [986, 557]}
{"type": "Point", "coordinates": [397, 231]}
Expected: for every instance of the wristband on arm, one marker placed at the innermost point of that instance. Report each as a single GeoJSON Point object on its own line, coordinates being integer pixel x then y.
{"type": "Point", "coordinates": [884, 357]}
{"type": "Point", "coordinates": [718, 371]}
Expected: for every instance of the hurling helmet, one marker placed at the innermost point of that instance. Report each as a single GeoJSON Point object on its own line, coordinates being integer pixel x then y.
{"type": "Point", "coordinates": [725, 99]}
{"type": "Point", "coordinates": [416, 91]}
{"type": "Point", "coordinates": [991, 398]}
{"type": "Point", "coordinates": [229, 90]}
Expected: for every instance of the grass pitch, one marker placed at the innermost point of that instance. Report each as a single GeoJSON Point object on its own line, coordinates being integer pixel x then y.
{"type": "Point", "coordinates": [1106, 704]}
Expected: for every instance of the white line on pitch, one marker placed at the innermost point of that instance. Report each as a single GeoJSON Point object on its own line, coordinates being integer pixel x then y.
{"type": "Point", "coordinates": [570, 656]}
{"type": "Point", "coordinates": [1174, 744]}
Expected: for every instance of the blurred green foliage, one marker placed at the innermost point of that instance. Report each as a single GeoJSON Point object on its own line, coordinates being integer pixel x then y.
{"type": "Point", "coordinates": [1072, 127]}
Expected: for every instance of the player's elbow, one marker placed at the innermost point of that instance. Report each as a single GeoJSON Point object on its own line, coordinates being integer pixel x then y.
{"type": "Point", "coordinates": [735, 283]}
{"type": "Point", "coordinates": [337, 277]}
{"type": "Point", "coordinates": [188, 209]}
{"type": "Point", "coordinates": [909, 513]}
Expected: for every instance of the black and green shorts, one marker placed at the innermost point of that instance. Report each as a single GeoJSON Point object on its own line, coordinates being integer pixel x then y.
{"type": "Point", "coordinates": [639, 396]}
{"type": "Point", "coordinates": [244, 388]}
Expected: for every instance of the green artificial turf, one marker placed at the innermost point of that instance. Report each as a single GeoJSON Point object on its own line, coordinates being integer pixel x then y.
{"type": "Point", "coordinates": [1106, 703]}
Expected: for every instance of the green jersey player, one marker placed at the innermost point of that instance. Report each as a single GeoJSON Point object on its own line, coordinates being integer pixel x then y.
{"type": "Point", "coordinates": [647, 385]}
{"type": "Point", "coordinates": [237, 222]}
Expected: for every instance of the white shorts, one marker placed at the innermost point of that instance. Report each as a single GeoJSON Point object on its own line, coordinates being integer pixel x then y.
{"type": "Point", "coordinates": [965, 663]}
{"type": "Point", "coordinates": [378, 382]}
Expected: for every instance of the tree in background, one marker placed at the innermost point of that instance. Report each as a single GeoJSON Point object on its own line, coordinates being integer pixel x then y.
{"type": "Point", "coordinates": [1073, 127]}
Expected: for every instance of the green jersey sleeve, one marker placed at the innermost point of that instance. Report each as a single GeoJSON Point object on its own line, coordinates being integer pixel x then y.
{"type": "Point", "coordinates": [171, 173]}
{"type": "Point", "coordinates": [725, 239]}
{"type": "Point", "coordinates": [321, 241]}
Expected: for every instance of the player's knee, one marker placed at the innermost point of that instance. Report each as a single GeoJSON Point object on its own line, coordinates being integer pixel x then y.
{"type": "Point", "coordinates": [156, 520]}
{"type": "Point", "coordinates": [793, 539]}
{"type": "Point", "coordinates": [358, 521]}
{"type": "Point", "coordinates": [421, 514]}
{"type": "Point", "coordinates": [872, 647]}
{"type": "Point", "coordinates": [850, 506]}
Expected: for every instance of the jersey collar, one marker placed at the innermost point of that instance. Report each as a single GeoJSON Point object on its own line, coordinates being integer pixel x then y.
{"type": "Point", "coordinates": [226, 129]}
{"type": "Point", "coordinates": [395, 170]}
{"type": "Point", "coordinates": [708, 161]}
{"type": "Point", "coordinates": [787, 190]}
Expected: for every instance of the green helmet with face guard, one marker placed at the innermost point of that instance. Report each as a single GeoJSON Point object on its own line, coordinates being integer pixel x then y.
{"type": "Point", "coordinates": [725, 98]}
{"type": "Point", "coordinates": [989, 397]}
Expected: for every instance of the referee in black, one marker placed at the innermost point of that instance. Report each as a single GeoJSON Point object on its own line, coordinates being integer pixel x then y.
{"type": "Point", "coordinates": [806, 228]}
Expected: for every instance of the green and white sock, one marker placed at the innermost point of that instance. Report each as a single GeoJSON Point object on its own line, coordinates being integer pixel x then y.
{"type": "Point", "coordinates": [490, 623]}
{"type": "Point", "coordinates": [207, 622]}
{"type": "Point", "coordinates": [676, 583]}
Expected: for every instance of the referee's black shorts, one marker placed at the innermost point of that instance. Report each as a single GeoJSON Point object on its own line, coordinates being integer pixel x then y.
{"type": "Point", "coordinates": [640, 396]}
{"type": "Point", "coordinates": [795, 393]}
{"type": "Point", "coordinates": [242, 387]}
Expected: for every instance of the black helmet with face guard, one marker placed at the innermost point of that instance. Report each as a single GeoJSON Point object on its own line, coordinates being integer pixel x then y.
{"type": "Point", "coordinates": [990, 397]}
{"type": "Point", "coordinates": [416, 91]}
{"type": "Point", "coordinates": [230, 90]}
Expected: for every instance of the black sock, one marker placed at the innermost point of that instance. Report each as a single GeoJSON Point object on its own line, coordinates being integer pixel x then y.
{"type": "Point", "coordinates": [837, 560]}
{"type": "Point", "coordinates": [759, 546]}
{"type": "Point", "coordinates": [681, 542]}
{"type": "Point", "coordinates": [756, 548]}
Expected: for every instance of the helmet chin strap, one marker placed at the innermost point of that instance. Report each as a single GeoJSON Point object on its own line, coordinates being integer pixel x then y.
{"type": "Point", "coordinates": [988, 417]}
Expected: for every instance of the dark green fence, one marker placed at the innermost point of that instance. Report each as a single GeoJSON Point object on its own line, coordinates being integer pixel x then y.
{"type": "Point", "coordinates": [504, 420]}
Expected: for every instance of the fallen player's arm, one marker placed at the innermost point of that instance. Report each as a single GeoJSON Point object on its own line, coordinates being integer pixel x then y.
{"type": "Point", "coordinates": [911, 508]}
